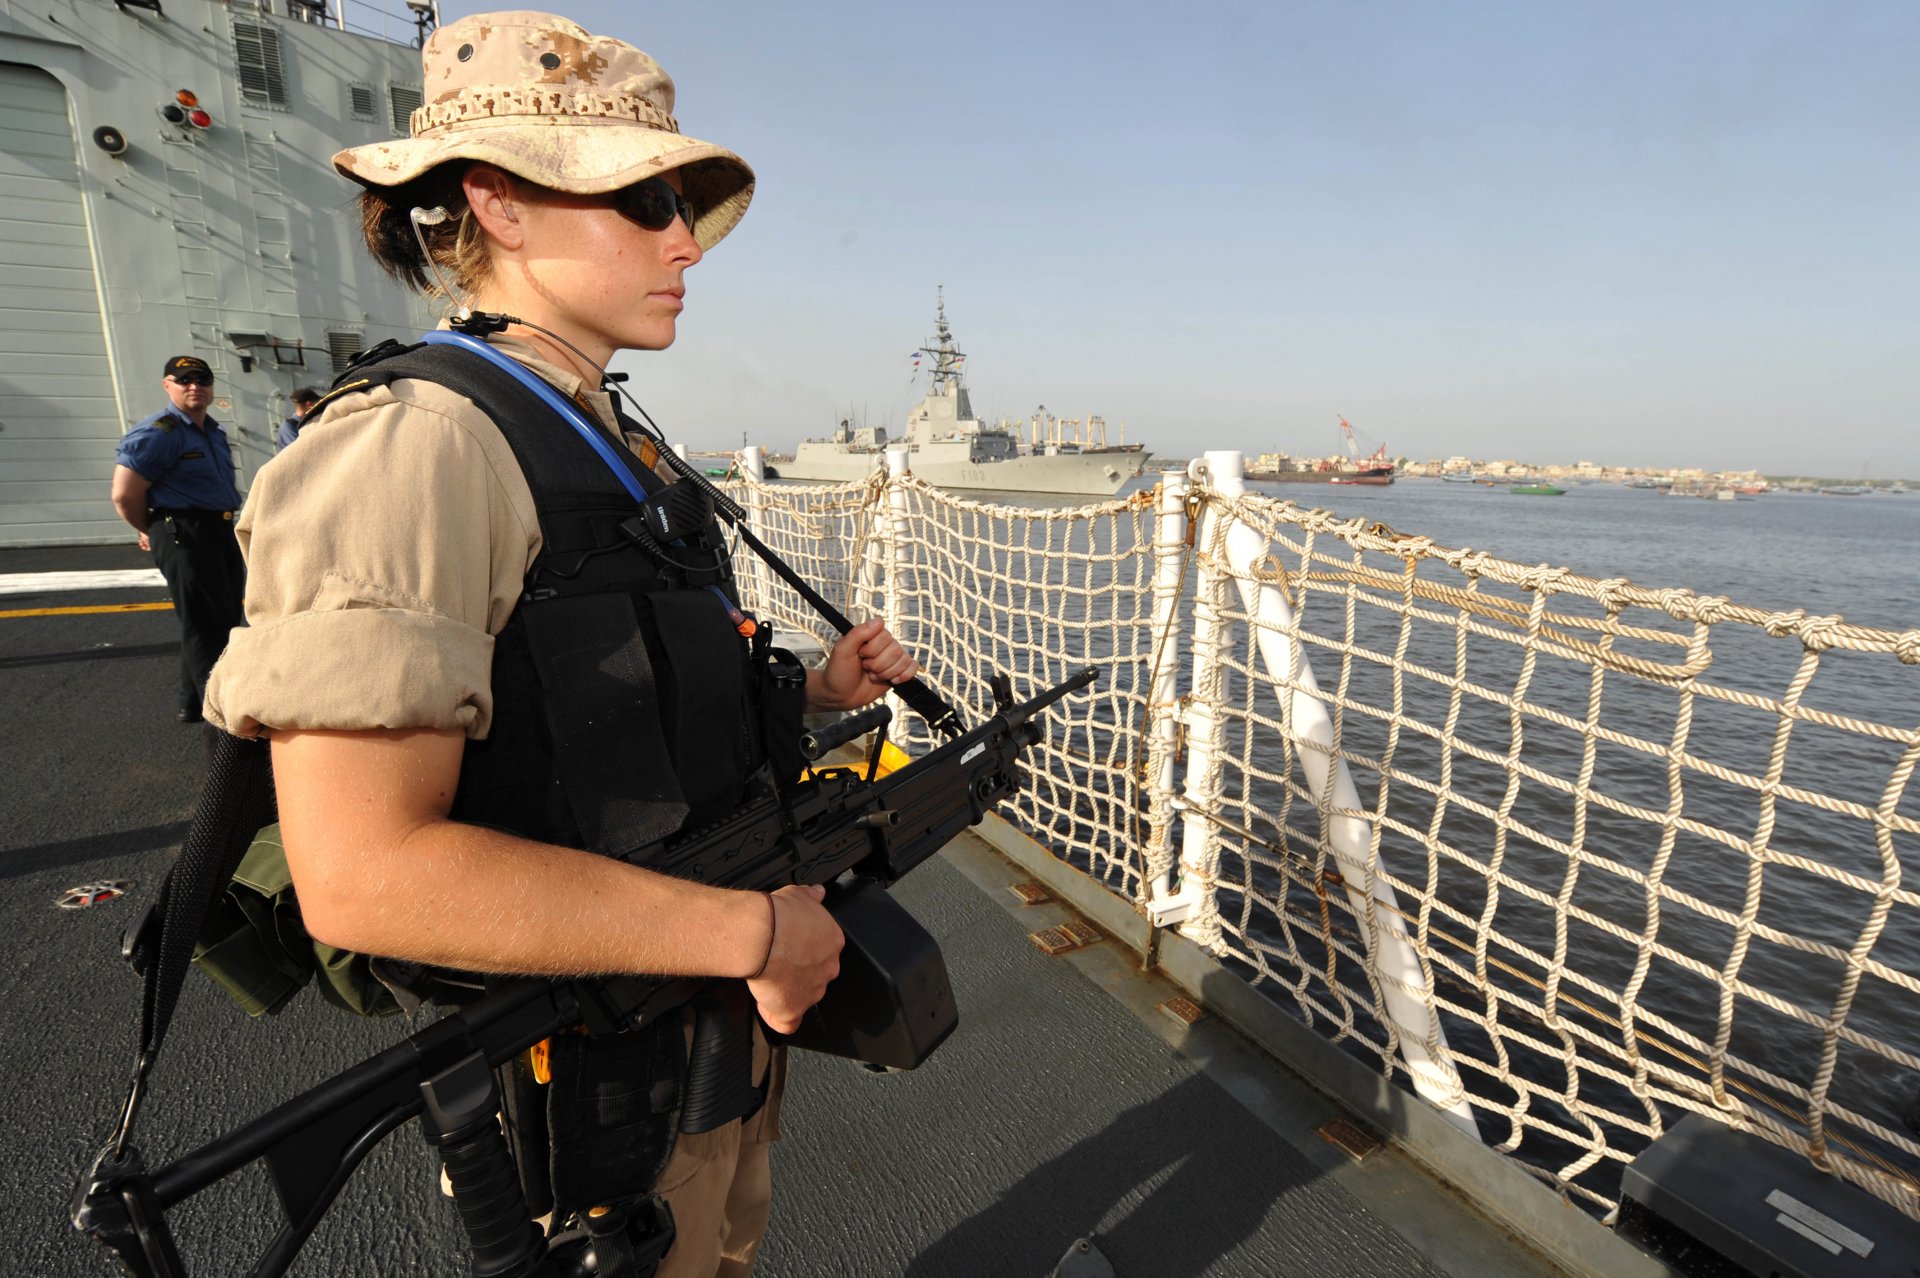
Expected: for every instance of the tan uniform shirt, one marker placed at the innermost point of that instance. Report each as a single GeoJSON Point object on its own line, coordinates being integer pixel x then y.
{"type": "Point", "coordinates": [381, 562]}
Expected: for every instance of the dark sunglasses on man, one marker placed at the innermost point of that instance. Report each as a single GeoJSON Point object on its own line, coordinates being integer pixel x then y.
{"type": "Point", "coordinates": [653, 204]}
{"type": "Point", "coordinates": [190, 379]}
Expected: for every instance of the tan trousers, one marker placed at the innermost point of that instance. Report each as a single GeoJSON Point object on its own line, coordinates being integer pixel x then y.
{"type": "Point", "coordinates": [720, 1187]}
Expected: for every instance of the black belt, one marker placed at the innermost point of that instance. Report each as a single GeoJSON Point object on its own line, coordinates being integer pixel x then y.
{"type": "Point", "coordinates": [188, 513]}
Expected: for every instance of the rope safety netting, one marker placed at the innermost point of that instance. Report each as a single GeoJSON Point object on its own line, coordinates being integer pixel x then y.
{"type": "Point", "coordinates": [1648, 846]}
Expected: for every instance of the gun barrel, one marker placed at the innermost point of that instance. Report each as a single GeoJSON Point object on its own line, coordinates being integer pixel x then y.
{"type": "Point", "coordinates": [1017, 715]}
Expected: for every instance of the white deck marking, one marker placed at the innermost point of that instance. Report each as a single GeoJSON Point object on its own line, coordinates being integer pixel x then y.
{"type": "Point", "coordinates": [33, 583]}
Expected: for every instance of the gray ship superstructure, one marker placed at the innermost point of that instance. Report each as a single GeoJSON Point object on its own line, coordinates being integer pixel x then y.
{"type": "Point", "coordinates": [951, 448]}
{"type": "Point", "coordinates": [166, 189]}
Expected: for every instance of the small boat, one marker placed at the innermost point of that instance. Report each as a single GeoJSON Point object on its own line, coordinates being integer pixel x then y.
{"type": "Point", "coordinates": [1537, 490]}
{"type": "Point", "coordinates": [1847, 490]}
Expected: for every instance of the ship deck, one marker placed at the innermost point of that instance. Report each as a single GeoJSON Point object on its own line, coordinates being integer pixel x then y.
{"type": "Point", "coordinates": [1067, 1105]}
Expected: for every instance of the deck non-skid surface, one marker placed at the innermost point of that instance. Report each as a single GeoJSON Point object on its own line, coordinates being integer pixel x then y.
{"type": "Point", "coordinates": [1064, 1105]}
{"type": "Point", "coordinates": [1061, 1108]}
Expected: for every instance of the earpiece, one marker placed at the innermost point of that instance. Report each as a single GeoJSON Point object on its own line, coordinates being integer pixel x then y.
{"type": "Point", "coordinates": [420, 217]}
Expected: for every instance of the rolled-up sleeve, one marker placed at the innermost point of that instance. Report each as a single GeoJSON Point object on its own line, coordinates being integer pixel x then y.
{"type": "Point", "coordinates": [383, 556]}
{"type": "Point", "coordinates": [148, 452]}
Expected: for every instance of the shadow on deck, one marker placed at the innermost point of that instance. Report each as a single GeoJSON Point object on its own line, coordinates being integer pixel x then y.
{"type": "Point", "coordinates": [1067, 1105]}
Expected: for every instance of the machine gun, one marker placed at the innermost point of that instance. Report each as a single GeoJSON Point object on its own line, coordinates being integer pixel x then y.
{"type": "Point", "coordinates": [891, 1005]}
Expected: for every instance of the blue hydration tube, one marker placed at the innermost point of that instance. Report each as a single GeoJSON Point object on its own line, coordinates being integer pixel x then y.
{"type": "Point", "coordinates": [571, 413]}
{"type": "Point", "coordinates": [552, 398]}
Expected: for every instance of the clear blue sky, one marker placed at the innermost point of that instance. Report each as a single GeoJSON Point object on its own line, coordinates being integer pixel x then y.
{"type": "Point", "coordinates": [1661, 233]}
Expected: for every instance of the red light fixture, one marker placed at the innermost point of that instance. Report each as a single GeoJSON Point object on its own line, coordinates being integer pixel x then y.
{"type": "Point", "coordinates": [185, 111]}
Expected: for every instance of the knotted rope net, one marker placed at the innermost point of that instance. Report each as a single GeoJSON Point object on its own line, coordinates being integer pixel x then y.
{"type": "Point", "coordinates": [1652, 847]}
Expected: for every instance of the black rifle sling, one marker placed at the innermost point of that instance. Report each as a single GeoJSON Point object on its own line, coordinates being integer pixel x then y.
{"type": "Point", "coordinates": [236, 800]}
{"type": "Point", "coordinates": [918, 695]}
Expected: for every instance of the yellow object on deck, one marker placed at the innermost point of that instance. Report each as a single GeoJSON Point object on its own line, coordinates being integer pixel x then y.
{"type": "Point", "coordinates": [893, 758]}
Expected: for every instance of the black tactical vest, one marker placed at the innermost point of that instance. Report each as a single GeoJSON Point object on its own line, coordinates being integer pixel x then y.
{"type": "Point", "coordinates": [627, 704]}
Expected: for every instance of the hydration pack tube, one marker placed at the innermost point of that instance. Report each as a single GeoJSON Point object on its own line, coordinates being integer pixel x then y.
{"type": "Point", "coordinates": [560, 404]}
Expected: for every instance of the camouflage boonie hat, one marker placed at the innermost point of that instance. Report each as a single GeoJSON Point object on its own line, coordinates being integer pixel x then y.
{"type": "Point", "coordinates": [537, 95]}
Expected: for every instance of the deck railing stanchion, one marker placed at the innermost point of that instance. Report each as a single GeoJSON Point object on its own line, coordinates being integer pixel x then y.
{"type": "Point", "coordinates": [1205, 719]}
{"type": "Point", "coordinates": [897, 527]}
{"type": "Point", "coordinates": [753, 464]}
{"type": "Point", "coordinates": [1404, 985]}
{"type": "Point", "coordinates": [1164, 907]}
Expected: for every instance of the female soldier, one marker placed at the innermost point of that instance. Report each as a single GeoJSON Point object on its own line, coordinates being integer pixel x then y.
{"type": "Point", "coordinates": [391, 550]}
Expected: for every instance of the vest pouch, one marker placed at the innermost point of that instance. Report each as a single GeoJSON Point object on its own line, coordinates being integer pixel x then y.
{"type": "Point", "coordinates": [783, 708]}
{"type": "Point", "coordinates": [256, 948]}
{"type": "Point", "coordinates": [704, 702]}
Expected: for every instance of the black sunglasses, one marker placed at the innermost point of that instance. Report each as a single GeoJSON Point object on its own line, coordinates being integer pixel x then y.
{"type": "Point", "coordinates": [192, 379]}
{"type": "Point", "coordinates": [653, 204]}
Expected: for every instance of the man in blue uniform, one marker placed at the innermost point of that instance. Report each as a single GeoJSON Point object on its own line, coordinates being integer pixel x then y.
{"type": "Point", "coordinates": [303, 401]}
{"type": "Point", "coordinates": [173, 482]}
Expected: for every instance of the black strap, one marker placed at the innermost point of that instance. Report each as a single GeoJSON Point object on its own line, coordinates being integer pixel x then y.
{"type": "Point", "coordinates": [508, 401]}
{"type": "Point", "coordinates": [236, 801]}
{"type": "Point", "coordinates": [919, 696]}
{"type": "Point", "coordinates": [551, 455]}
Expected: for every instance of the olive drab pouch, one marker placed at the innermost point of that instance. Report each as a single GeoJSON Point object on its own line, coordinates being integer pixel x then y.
{"type": "Point", "coordinates": [255, 947]}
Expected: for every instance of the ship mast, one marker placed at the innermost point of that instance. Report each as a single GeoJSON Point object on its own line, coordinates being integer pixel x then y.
{"type": "Point", "coordinates": [947, 359]}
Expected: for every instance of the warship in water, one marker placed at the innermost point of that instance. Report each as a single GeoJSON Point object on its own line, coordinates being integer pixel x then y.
{"type": "Point", "coordinates": [951, 448]}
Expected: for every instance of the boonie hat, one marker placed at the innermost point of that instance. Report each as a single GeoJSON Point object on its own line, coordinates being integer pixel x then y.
{"type": "Point", "coordinates": [187, 364]}
{"type": "Point", "coordinates": [545, 100]}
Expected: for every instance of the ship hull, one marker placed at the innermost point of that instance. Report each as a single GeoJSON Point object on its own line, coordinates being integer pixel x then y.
{"type": "Point", "coordinates": [1372, 478]}
{"type": "Point", "coordinates": [1091, 473]}
{"type": "Point", "coordinates": [126, 239]}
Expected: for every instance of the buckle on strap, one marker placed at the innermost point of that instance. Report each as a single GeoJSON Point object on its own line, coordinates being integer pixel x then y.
{"type": "Point", "coordinates": [631, 1239]}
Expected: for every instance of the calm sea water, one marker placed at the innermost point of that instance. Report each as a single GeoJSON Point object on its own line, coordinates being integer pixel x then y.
{"type": "Point", "coordinates": [1856, 556]}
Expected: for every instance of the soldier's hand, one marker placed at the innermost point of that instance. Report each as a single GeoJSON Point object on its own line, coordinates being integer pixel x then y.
{"type": "Point", "coordinates": [805, 955]}
{"type": "Point", "coordinates": [864, 665]}
{"type": "Point", "coordinates": [145, 544]}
